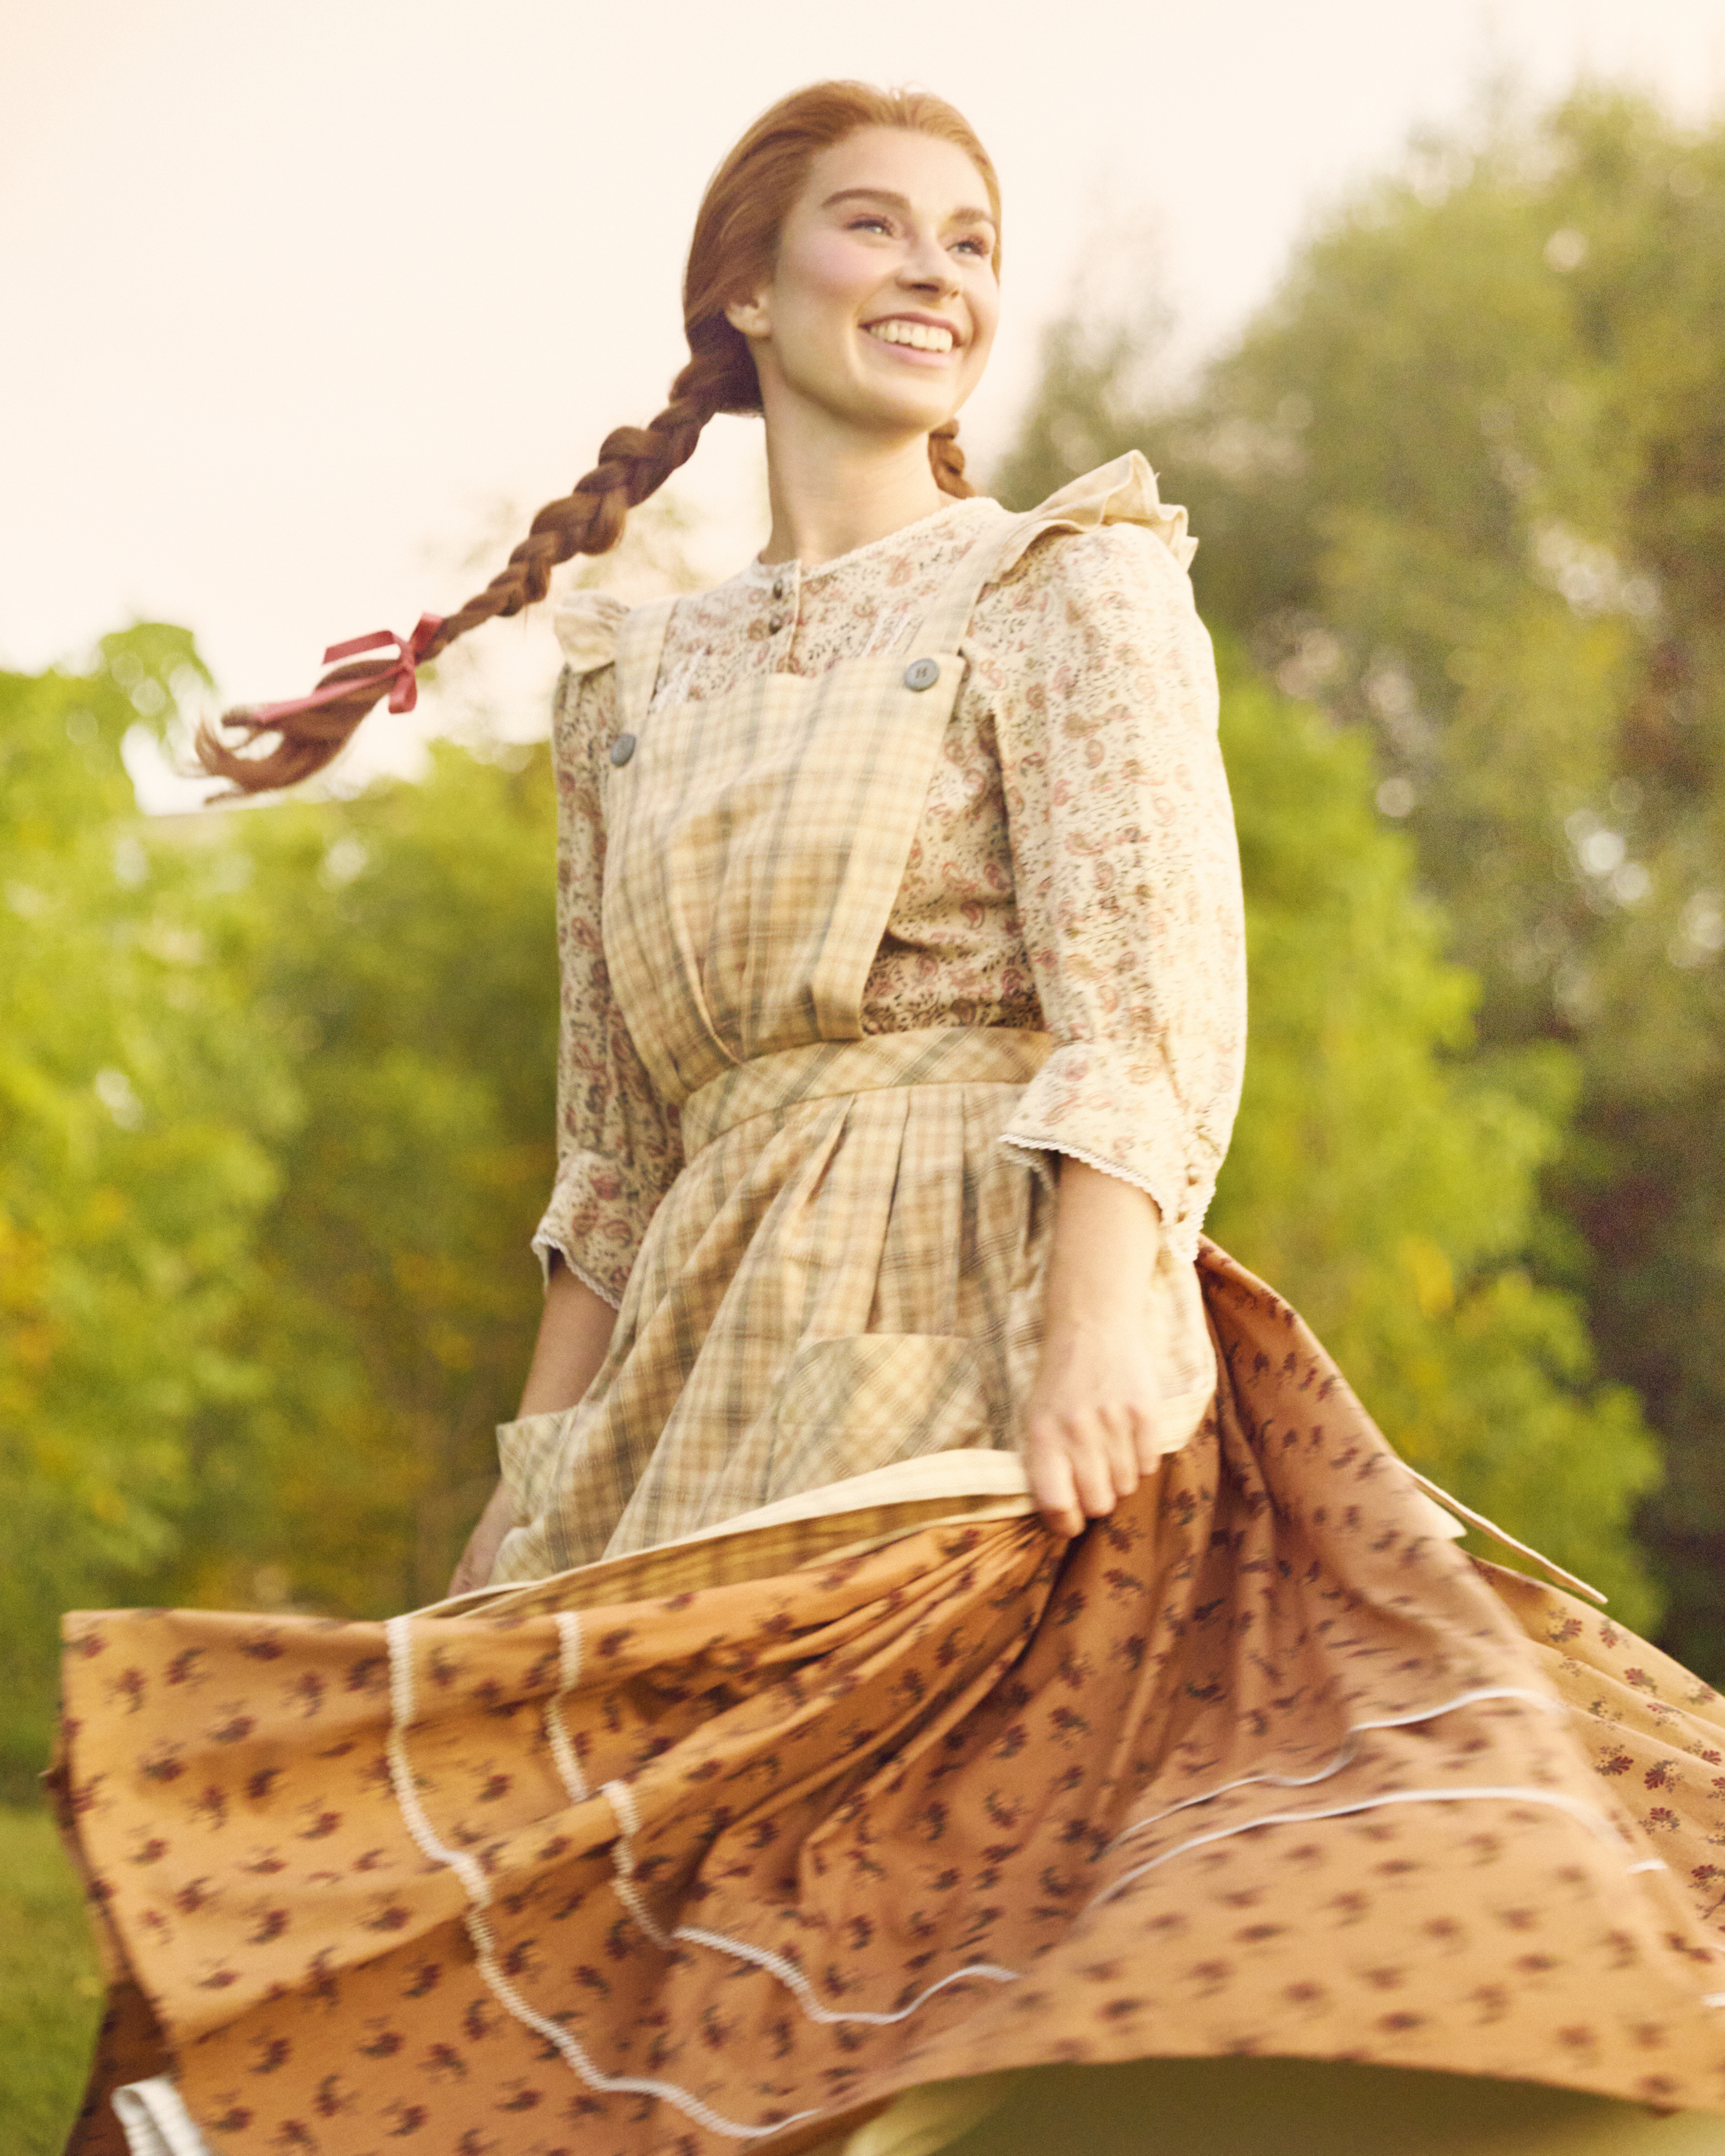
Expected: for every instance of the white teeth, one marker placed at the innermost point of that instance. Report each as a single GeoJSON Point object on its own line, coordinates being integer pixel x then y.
{"type": "Point", "coordinates": [919, 334]}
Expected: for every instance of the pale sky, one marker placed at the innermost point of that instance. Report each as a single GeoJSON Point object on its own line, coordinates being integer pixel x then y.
{"type": "Point", "coordinates": [295, 294]}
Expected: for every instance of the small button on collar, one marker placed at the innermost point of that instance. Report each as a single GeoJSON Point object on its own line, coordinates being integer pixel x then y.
{"type": "Point", "coordinates": [780, 585]}
{"type": "Point", "coordinates": [922, 673]}
{"type": "Point", "coordinates": [622, 749]}
{"type": "Point", "coordinates": [775, 621]}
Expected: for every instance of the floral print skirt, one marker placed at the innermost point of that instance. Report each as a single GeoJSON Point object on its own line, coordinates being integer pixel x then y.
{"type": "Point", "coordinates": [765, 1840]}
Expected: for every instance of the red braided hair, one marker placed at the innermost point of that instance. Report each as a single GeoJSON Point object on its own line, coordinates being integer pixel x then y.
{"type": "Point", "coordinates": [735, 237]}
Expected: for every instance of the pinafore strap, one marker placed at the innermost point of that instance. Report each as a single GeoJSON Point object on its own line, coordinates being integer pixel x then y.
{"type": "Point", "coordinates": [640, 641]}
{"type": "Point", "coordinates": [944, 625]}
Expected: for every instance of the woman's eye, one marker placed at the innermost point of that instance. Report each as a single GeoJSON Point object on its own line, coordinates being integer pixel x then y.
{"type": "Point", "coordinates": [869, 223]}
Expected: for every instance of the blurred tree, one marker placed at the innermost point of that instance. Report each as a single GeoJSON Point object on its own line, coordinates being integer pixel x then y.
{"type": "Point", "coordinates": [276, 1120]}
{"type": "Point", "coordinates": [1387, 1181]}
{"type": "Point", "coordinates": [142, 1103]}
{"type": "Point", "coordinates": [277, 1092]}
{"type": "Point", "coordinates": [1464, 480]}
{"type": "Point", "coordinates": [404, 942]}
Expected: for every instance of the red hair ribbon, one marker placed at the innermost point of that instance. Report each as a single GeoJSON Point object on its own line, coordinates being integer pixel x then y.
{"type": "Point", "coordinates": [403, 679]}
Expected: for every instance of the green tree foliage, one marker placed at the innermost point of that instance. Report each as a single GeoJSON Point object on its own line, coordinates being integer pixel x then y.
{"type": "Point", "coordinates": [265, 1299]}
{"type": "Point", "coordinates": [404, 943]}
{"type": "Point", "coordinates": [1385, 1180]}
{"type": "Point", "coordinates": [276, 1120]}
{"type": "Point", "coordinates": [142, 1112]}
{"type": "Point", "coordinates": [1464, 480]}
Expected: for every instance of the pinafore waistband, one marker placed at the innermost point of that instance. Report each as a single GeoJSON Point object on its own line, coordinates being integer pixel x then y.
{"type": "Point", "coordinates": [930, 1055]}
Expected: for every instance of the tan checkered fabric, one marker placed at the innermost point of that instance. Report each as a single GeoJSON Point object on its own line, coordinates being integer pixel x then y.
{"type": "Point", "coordinates": [847, 1272]}
{"type": "Point", "coordinates": [1073, 868]}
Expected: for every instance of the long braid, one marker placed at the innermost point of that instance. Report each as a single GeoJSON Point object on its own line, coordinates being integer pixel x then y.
{"type": "Point", "coordinates": [946, 459]}
{"type": "Point", "coordinates": [735, 237]}
{"type": "Point", "coordinates": [634, 463]}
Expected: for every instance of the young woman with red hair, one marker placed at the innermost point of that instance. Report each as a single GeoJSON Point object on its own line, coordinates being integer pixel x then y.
{"type": "Point", "coordinates": [939, 1615]}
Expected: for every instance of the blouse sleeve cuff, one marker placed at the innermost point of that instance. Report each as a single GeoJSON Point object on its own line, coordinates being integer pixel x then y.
{"type": "Point", "coordinates": [546, 1245]}
{"type": "Point", "coordinates": [594, 1222]}
{"type": "Point", "coordinates": [1091, 1103]}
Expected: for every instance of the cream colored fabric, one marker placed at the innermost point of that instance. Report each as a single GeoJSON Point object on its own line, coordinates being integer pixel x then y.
{"type": "Point", "coordinates": [965, 1487]}
{"type": "Point", "coordinates": [155, 2122]}
{"type": "Point", "coordinates": [1070, 866]}
{"type": "Point", "coordinates": [846, 1272]}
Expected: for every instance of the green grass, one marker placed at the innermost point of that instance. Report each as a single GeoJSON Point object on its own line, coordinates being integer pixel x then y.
{"type": "Point", "coordinates": [50, 1988]}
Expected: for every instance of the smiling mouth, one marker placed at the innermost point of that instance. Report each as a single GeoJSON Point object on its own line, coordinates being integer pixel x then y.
{"type": "Point", "coordinates": [920, 337]}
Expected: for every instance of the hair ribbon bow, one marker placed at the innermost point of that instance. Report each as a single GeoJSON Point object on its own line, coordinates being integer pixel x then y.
{"type": "Point", "coordinates": [402, 677]}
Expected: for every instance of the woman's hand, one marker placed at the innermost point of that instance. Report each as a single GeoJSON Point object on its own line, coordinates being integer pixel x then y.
{"type": "Point", "coordinates": [483, 1544]}
{"type": "Point", "coordinates": [1090, 1428]}
{"type": "Point", "coordinates": [1091, 1423]}
{"type": "Point", "coordinates": [574, 1334]}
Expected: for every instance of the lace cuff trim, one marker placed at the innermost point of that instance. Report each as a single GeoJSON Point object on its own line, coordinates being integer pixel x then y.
{"type": "Point", "coordinates": [544, 1244]}
{"type": "Point", "coordinates": [1180, 1236]}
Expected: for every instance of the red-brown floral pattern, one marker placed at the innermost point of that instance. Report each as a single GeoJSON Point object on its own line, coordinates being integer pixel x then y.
{"type": "Point", "coordinates": [1260, 1764]}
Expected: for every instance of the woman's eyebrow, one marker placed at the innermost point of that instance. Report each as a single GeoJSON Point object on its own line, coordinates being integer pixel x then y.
{"type": "Point", "coordinates": [968, 215]}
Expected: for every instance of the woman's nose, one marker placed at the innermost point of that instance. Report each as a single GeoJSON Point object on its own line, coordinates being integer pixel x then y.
{"type": "Point", "coordinates": [930, 268]}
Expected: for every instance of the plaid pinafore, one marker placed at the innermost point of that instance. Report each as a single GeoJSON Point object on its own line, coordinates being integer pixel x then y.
{"type": "Point", "coordinates": [846, 1274]}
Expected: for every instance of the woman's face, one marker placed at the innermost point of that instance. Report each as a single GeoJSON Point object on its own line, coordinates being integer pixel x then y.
{"type": "Point", "coordinates": [881, 306]}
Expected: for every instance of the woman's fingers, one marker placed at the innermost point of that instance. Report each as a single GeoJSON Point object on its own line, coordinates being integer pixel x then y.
{"type": "Point", "coordinates": [1145, 1441]}
{"type": "Point", "coordinates": [1051, 1480]}
{"type": "Point", "coordinates": [1081, 1465]}
{"type": "Point", "coordinates": [480, 1555]}
{"type": "Point", "coordinates": [1115, 1426]}
{"type": "Point", "coordinates": [1090, 1468]}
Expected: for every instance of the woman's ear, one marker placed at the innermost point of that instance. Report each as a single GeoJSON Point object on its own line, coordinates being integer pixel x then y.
{"type": "Point", "coordinates": [750, 318]}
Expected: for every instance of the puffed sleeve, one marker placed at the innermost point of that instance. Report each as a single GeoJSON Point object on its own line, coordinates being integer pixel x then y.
{"type": "Point", "coordinates": [618, 1146]}
{"type": "Point", "coordinates": [1125, 866]}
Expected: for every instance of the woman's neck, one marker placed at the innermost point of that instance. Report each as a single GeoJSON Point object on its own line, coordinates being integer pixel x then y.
{"type": "Point", "coordinates": [832, 490]}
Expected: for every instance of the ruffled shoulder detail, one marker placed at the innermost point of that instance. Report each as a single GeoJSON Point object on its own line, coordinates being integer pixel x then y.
{"type": "Point", "coordinates": [1122, 492]}
{"type": "Point", "coordinates": [587, 624]}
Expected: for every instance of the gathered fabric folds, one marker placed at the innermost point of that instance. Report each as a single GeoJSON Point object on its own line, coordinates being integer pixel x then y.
{"type": "Point", "coordinates": [747, 1364]}
{"type": "Point", "coordinates": [724, 1844]}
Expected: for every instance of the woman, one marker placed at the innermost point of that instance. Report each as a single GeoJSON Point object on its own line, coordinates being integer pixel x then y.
{"type": "Point", "coordinates": [800, 1756]}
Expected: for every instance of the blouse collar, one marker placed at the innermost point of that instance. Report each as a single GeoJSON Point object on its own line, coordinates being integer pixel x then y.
{"type": "Point", "coordinates": [931, 526]}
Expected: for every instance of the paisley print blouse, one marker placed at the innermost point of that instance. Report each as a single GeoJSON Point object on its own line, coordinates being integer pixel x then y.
{"type": "Point", "coordinates": [1074, 871]}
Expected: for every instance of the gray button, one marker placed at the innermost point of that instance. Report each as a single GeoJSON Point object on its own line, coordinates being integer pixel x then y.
{"type": "Point", "coordinates": [778, 585]}
{"type": "Point", "coordinates": [922, 673]}
{"type": "Point", "coordinates": [623, 748]}
{"type": "Point", "coordinates": [775, 621]}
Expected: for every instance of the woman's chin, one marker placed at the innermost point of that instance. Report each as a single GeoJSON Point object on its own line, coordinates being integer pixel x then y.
{"type": "Point", "coordinates": [896, 416]}
{"type": "Point", "coordinates": [866, 399]}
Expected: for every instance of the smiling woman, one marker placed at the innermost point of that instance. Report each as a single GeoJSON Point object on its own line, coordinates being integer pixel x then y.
{"type": "Point", "coordinates": [938, 1613]}
{"type": "Point", "coordinates": [872, 330]}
